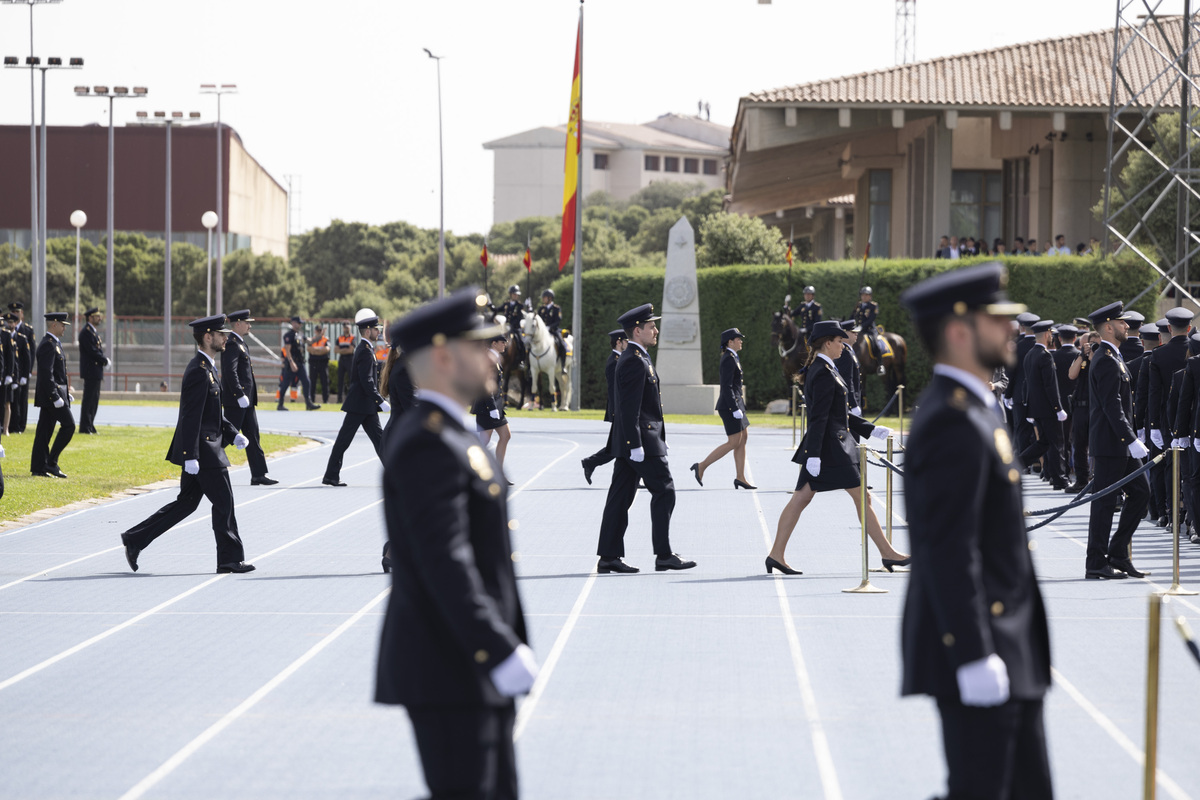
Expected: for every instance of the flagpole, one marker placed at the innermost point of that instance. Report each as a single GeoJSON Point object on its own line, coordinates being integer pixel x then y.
{"type": "Point", "coordinates": [528, 275]}
{"type": "Point", "coordinates": [576, 295]}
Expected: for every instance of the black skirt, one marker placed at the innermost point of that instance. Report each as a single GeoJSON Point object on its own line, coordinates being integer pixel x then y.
{"type": "Point", "coordinates": [831, 478]}
{"type": "Point", "coordinates": [733, 426]}
{"type": "Point", "coordinates": [487, 423]}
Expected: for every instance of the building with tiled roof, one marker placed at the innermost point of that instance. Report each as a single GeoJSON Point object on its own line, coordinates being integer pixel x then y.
{"type": "Point", "coordinates": [992, 144]}
{"type": "Point", "coordinates": [618, 158]}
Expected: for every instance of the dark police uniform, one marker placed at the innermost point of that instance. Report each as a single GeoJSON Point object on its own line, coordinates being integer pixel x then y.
{"type": "Point", "coordinates": [1080, 420]}
{"type": "Point", "coordinates": [730, 398]}
{"type": "Point", "coordinates": [638, 424]}
{"type": "Point", "coordinates": [1110, 432]}
{"type": "Point", "coordinates": [237, 381]}
{"type": "Point", "coordinates": [807, 314]}
{"type": "Point", "coordinates": [865, 314]}
{"type": "Point", "coordinates": [23, 342]}
{"type": "Point", "coordinates": [973, 592]}
{"type": "Point", "coordinates": [831, 428]}
{"type": "Point", "coordinates": [484, 406]}
{"type": "Point", "coordinates": [8, 370]}
{"type": "Point", "coordinates": [848, 368]}
{"type": "Point", "coordinates": [1064, 356]}
{"type": "Point", "coordinates": [1043, 404]}
{"type": "Point", "coordinates": [201, 434]}
{"type": "Point", "coordinates": [1187, 426]}
{"type": "Point", "coordinates": [1165, 361]}
{"type": "Point", "coordinates": [52, 388]}
{"type": "Point", "coordinates": [362, 405]}
{"type": "Point", "coordinates": [400, 393]}
{"type": "Point", "coordinates": [605, 454]}
{"type": "Point", "coordinates": [551, 314]}
{"type": "Point", "coordinates": [1022, 431]}
{"type": "Point", "coordinates": [1139, 381]}
{"type": "Point", "coordinates": [92, 362]}
{"type": "Point", "coordinates": [454, 614]}
{"type": "Point", "coordinates": [293, 345]}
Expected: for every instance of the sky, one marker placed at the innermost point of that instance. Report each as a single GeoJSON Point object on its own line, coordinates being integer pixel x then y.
{"type": "Point", "coordinates": [343, 95]}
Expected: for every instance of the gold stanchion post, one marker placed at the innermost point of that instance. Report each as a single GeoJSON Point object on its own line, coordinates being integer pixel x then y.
{"type": "Point", "coordinates": [1176, 588]}
{"type": "Point", "coordinates": [888, 501]}
{"type": "Point", "coordinates": [795, 391]}
{"type": "Point", "coordinates": [803, 419]}
{"type": "Point", "coordinates": [865, 587]}
{"type": "Point", "coordinates": [1149, 776]}
{"type": "Point", "coordinates": [900, 402]}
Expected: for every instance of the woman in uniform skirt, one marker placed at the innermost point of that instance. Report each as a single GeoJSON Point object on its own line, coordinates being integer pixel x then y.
{"type": "Point", "coordinates": [828, 454]}
{"type": "Point", "coordinates": [489, 411]}
{"type": "Point", "coordinates": [732, 409]}
{"type": "Point", "coordinates": [396, 386]}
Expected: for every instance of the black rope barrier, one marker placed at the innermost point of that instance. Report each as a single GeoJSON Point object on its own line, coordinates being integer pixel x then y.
{"type": "Point", "coordinates": [1060, 510]}
{"type": "Point", "coordinates": [883, 462]}
{"type": "Point", "coordinates": [891, 400]}
{"type": "Point", "coordinates": [1189, 640]}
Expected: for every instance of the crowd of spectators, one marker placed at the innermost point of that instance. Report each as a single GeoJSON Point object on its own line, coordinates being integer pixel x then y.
{"type": "Point", "coordinates": [963, 247]}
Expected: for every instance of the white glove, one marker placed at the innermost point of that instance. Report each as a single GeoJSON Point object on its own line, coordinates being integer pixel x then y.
{"type": "Point", "coordinates": [7, 380]}
{"type": "Point", "coordinates": [1156, 437]}
{"type": "Point", "coordinates": [856, 411]}
{"type": "Point", "coordinates": [1029, 420]}
{"type": "Point", "coordinates": [983, 682]}
{"type": "Point", "coordinates": [515, 675]}
{"type": "Point", "coordinates": [813, 465]}
{"type": "Point", "coordinates": [107, 362]}
{"type": "Point", "coordinates": [738, 414]}
{"type": "Point", "coordinates": [1196, 443]}
{"type": "Point", "coordinates": [637, 454]}
{"type": "Point", "coordinates": [1, 451]}
{"type": "Point", "coordinates": [59, 402]}
{"type": "Point", "coordinates": [243, 402]}
{"type": "Point", "coordinates": [24, 381]}
{"type": "Point", "coordinates": [1062, 416]}
{"type": "Point", "coordinates": [1008, 403]}
{"type": "Point", "coordinates": [1141, 434]}
{"type": "Point", "coordinates": [191, 466]}
{"type": "Point", "coordinates": [494, 413]}
{"type": "Point", "coordinates": [881, 433]}
{"type": "Point", "coordinates": [240, 441]}
{"type": "Point", "coordinates": [1182, 443]}
{"type": "Point", "coordinates": [385, 406]}
{"type": "Point", "coordinates": [1137, 449]}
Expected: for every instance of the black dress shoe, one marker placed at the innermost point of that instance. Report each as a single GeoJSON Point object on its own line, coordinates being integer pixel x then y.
{"type": "Point", "coordinates": [672, 561]}
{"type": "Point", "coordinates": [239, 566]}
{"type": "Point", "coordinates": [41, 474]}
{"type": "Point", "coordinates": [888, 563]}
{"type": "Point", "coordinates": [695, 468]}
{"type": "Point", "coordinates": [1076, 488]}
{"type": "Point", "coordinates": [263, 481]}
{"type": "Point", "coordinates": [1126, 565]}
{"type": "Point", "coordinates": [1163, 521]}
{"type": "Point", "coordinates": [333, 482]}
{"type": "Point", "coordinates": [786, 570]}
{"type": "Point", "coordinates": [741, 485]}
{"type": "Point", "coordinates": [312, 406]}
{"type": "Point", "coordinates": [1105, 573]}
{"type": "Point", "coordinates": [587, 471]}
{"type": "Point", "coordinates": [1058, 487]}
{"type": "Point", "coordinates": [131, 552]}
{"type": "Point", "coordinates": [281, 407]}
{"type": "Point", "coordinates": [57, 473]}
{"type": "Point", "coordinates": [614, 565]}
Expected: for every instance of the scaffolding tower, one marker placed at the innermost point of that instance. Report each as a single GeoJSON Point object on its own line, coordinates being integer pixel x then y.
{"type": "Point", "coordinates": [906, 31]}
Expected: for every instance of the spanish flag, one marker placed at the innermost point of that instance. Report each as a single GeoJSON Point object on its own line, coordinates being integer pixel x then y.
{"type": "Point", "coordinates": [789, 254]}
{"type": "Point", "coordinates": [571, 168]}
{"type": "Point", "coordinates": [483, 257]}
{"type": "Point", "coordinates": [528, 259]}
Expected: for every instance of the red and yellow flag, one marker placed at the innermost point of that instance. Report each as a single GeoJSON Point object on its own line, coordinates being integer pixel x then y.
{"type": "Point", "coordinates": [571, 168]}
{"type": "Point", "coordinates": [528, 260]}
{"type": "Point", "coordinates": [483, 257]}
{"type": "Point", "coordinates": [789, 254]}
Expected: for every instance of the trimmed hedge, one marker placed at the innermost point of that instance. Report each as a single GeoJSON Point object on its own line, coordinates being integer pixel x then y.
{"type": "Point", "coordinates": [1056, 287]}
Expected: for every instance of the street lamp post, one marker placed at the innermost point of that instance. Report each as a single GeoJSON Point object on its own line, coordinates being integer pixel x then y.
{"type": "Point", "coordinates": [441, 185]}
{"type": "Point", "coordinates": [110, 314]}
{"type": "Point", "coordinates": [218, 90]}
{"type": "Point", "coordinates": [209, 219]}
{"type": "Point", "coordinates": [78, 220]}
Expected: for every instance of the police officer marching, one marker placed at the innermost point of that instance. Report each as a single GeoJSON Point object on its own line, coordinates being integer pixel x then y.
{"type": "Point", "coordinates": [24, 344]}
{"type": "Point", "coordinates": [618, 341]}
{"type": "Point", "coordinates": [239, 395]}
{"type": "Point", "coordinates": [293, 366]}
{"type": "Point", "coordinates": [92, 362]}
{"type": "Point", "coordinates": [52, 396]}
{"type": "Point", "coordinates": [363, 401]}
{"type": "Point", "coordinates": [1044, 408]}
{"type": "Point", "coordinates": [1161, 366]}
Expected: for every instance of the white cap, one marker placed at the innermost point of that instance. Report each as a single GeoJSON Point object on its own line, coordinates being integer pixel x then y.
{"type": "Point", "coordinates": [364, 314]}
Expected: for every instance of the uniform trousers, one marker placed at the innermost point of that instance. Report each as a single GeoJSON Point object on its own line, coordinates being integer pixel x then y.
{"type": "Point", "coordinates": [20, 409]}
{"type": "Point", "coordinates": [601, 456]}
{"type": "Point", "coordinates": [210, 482]}
{"type": "Point", "coordinates": [656, 475]}
{"type": "Point", "coordinates": [467, 752]}
{"type": "Point", "coordinates": [350, 426]}
{"type": "Point", "coordinates": [285, 383]}
{"type": "Point", "coordinates": [1047, 443]}
{"type": "Point", "coordinates": [43, 458]}
{"type": "Point", "coordinates": [996, 753]}
{"type": "Point", "coordinates": [1158, 502]}
{"type": "Point", "coordinates": [318, 371]}
{"type": "Point", "coordinates": [1079, 444]}
{"type": "Point", "coordinates": [1022, 430]}
{"type": "Point", "coordinates": [1106, 472]}
{"type": "Point", "coordinates": [87, 409]}
{"type": "Point", "coordinates": [343, 374]}
{"type": "Point", "coordinates": [1189, 481]}
{"type": "Point", "coordinates": [246, 421]}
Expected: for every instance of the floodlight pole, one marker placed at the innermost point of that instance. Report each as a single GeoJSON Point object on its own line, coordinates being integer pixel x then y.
{"type": "Point", "coordinates": [218, 90]}
{"type": "Point", "coordinates": [441, 186]}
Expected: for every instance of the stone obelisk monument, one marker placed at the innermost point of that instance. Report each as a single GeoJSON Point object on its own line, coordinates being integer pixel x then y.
{"type": "Point", "coordinates": [680, 356]}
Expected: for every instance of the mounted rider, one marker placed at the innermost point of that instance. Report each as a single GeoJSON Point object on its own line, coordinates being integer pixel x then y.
{"type": "Point", "coordinates": [551, 314]}
{"type": "Point", "coordinates": [864, 314]}
{"type": "Point", "coordinates": [512, 310]}
{"type": "Point", "coordinates": [807, 313]}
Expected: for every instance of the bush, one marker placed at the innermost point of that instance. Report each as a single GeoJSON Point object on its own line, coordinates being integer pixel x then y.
{"type": "Point", "coordinates": [1056, 287]}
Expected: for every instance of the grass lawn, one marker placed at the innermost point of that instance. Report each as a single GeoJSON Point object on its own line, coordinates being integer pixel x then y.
{"type": "Point", "coordinates": [115, 459]}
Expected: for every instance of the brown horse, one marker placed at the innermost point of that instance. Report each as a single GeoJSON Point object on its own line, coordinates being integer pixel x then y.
{"type": "Point", "coordinates": [893, 365]}
{"type": "Point", "coordinates": [515, 365]}
{"type": "Point", "coordinates": [792, 346]}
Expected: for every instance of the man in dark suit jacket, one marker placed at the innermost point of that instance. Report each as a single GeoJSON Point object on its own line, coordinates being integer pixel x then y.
{"type": "Point", "coordinates": [363, 400]}
{"type": "Point", "coordinates": [1014, 396]}
{"type": "Point", "coordinates": [454, 649]}
{"type": "Point", "coordinates": [1168, 359]}
{"type": "Point", "coordinates": [239, 395]}
{"type": "Point", "coordinates": [201, 436]}
{"type": "Point", "coordinates": [25, 344]}
{"type": "Point", "coordinates": [1115, 452]}
{"type": "Point", "coordinates": [639, 445]}
{"type": "Point", "coordinates": [1139, 382]}
{"type": "Point", "coordinates": [52, 396]}
{"type": "Point", "coordinates": [1044, 407]}
{"type": "Point", "coordinates": [974, 634]}
{"type": "Point", "coordinates": [848, 367]}
{"type": "Point", "coordinates": [1064, 356]}
{"type": "Point", "coordinates": [92, 362]}
{"type": "Point", "coordinates": [619, 342]}
{"type": "Point", "coordinates": [1187, 432]}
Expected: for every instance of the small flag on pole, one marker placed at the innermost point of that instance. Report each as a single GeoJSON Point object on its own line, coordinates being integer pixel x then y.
{"type": "Point", "coordinates": [528, 259]}
{"type": "Point", "coordinates": [789, 254]}
{"type": "Point", "coordinates": [483, 257]}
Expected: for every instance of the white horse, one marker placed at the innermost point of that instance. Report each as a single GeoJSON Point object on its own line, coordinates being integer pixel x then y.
{"type": "Point", "coordinates": [543, 358]}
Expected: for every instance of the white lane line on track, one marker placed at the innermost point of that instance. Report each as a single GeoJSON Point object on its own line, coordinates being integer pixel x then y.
{"type": "Point", "coordinates": [189, 749]}
{"type": "Point", "coordinates": [195, 521]}
{"type": "Point", "coordinates": [820, 742]}
{"type": "Point", "coordinates": [36, 668]}
{"type": "Point", "coordinates": [1098, 716]}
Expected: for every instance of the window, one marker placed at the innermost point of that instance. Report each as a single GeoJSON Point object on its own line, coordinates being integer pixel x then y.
{"type": "Point", "coordinates": [691, 166]}
{"type": "Point", "coordinates": [879, 212]}
{"type": "Point", "coordinates": [670, 164]}
{"type": "Point", "coordinates": [652, 163]}
{"type": "Point", "coordinates": [975, 204]}
{"type": "Point", "coordinates": [710, 166]}
{"type": "Point", "coordinates": [599, 160]}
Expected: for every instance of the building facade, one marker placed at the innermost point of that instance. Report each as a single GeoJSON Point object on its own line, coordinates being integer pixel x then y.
{"type": "Point", "coordinates": [617, 158]}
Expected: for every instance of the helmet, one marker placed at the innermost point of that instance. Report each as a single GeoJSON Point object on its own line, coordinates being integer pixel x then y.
{"type": "Point", "coordinates": [865, 290]}
{"type": "Point", "coordinates": [514, 289]}
{"type": "Point", "coordinates": [548, 293]}
{"type": "Point", "coordinates": [810, 290]}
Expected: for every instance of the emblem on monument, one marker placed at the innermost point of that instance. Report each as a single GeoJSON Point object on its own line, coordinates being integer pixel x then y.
{"type": "Point", "coordinates": [680, 291]}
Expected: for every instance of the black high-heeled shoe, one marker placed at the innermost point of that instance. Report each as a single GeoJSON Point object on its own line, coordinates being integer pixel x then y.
{"type": "Point", "coordinates": [386, 561]}
{"type": "Point", "coordinates": [695, 468]}
{"type": "Point", "coordinates": [773, 564]}
{"type": "Point", "coordinates": [742, 485]}
{"type": "Point", "coordinates": [889, 563]}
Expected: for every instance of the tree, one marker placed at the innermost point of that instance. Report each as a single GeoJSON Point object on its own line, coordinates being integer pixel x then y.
{"type": "Point", "coordinates": [738, 239]}
{"type": "Point", "coordinates": [665, 194]}
{"type": "Point", "coordinates": [652, 235]}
